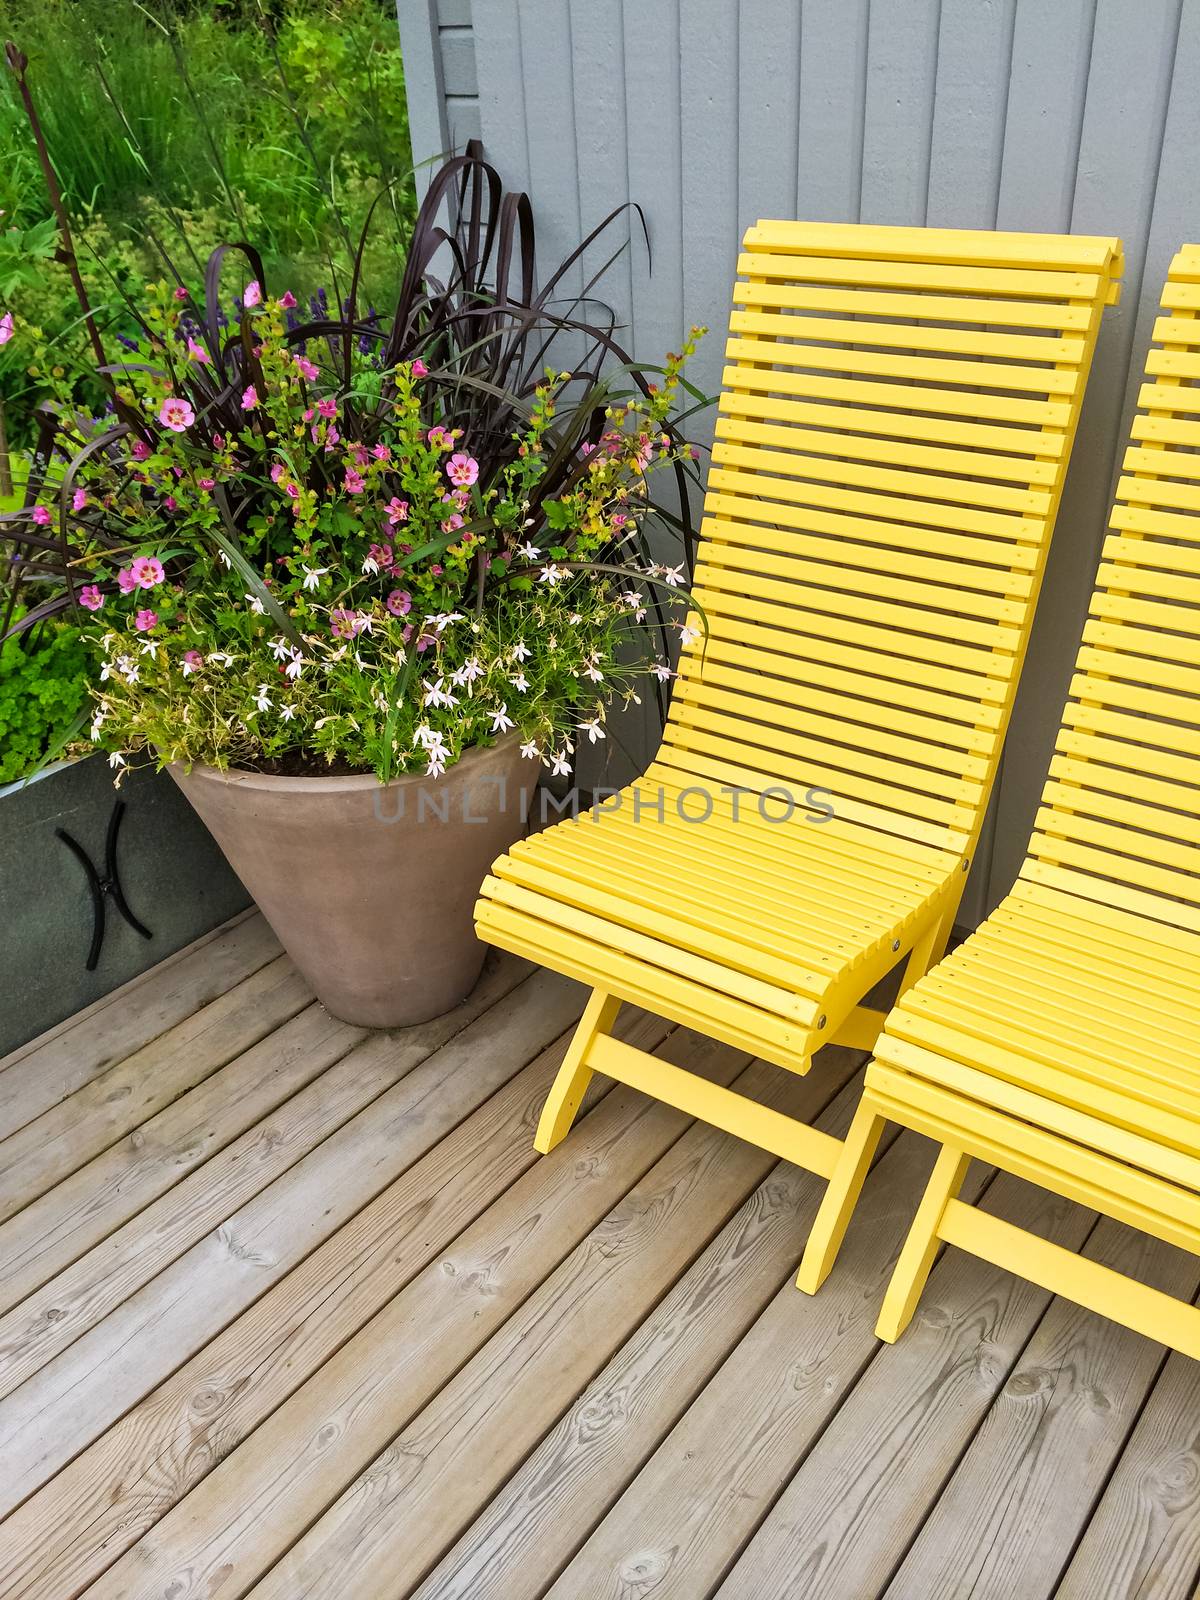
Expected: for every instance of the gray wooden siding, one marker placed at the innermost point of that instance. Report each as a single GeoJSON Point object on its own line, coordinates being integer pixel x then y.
{"type": "Point", "coordinates": [1079, 115]}
{"type": "Point", "coordinates": [441, 78]}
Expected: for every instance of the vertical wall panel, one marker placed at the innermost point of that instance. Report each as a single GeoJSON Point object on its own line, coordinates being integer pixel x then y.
{"type": "Point", "coordinates": [966, 149]}
{"type": "Point", "coordinates": [1121, 139]}
{"type": "Point", "coordinates": [655, 165]}
{"type": "Point", "coordinates": [768, 109]}
{"type": "Point", "coordinates": [709, 78]}
{"type": "Point", "coordinates": [1047, 92]}
{"type": "Point", "coordinates": [500, 66]}
{"type": "Point", "coordinates": [598, 81]}
{"type": "Point", "coordinates": [833, 84]}
{"type": "Point", "coordinates": [1019, 114]}
{"type": "Point", "coordinates": [550, 108]}
{"type": "Point", "coordinates": [902, 48]}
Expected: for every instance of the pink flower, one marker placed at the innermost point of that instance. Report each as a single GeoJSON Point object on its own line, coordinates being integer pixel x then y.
{"type": "Point", "coordinates": [197, 352]}
{"type": "Point", "coordinates": [619, 519]}
{"type": "Point", "coordinates": [249, 397]}
{"type": "Point", "coordinates": [176, 414]}
{"type": "Point", "coordinates": [6, 327]}
{"type": "Point", "coordinates": [327, 408]}
{"type": "Point", "coordinates": [292, 490]}
{"type": "Point", "coordinates": [287, 300]}
{"type": "Point", "coordinates": [344, 624]}
{"type": "Point", "coordinates": [41, 516]}
{"type": "Point", "coordinates": [381, 452]}
{"type": "Point", "coordinates": [438, 437]}
{"type": "Point", "coordinates": [399, 602]}
{"type": "Point", "coordinates": [462, 469]}
{"type": "Point", "coordinates": [361, 458]}
{"type": "Point", "coordinates": [180, 292]}
{"type": "Point", "coordinates": [79, 500]}
{"type": "Point", "coordinates": [306, 368]}
{"type": "Point", "coordinates": [419, 369]}
{"type": "Point", "coordinates": [90, 597]}
{"type": "Point", "coordinates": [147, 571]}
{"type": "Point", "coordinates": [253, 294]}
{"type": "Point", "coordinates": [437, 569]}
{"type": "Point", "coordinates": [140, 450]}
{"type": "Point", "coordinates": [452, 523]}
{"type": "Point", "coordinates": [397, 510]}
{"type": "Point", "coordinates": [331, 437]}
{"type": "Point", "coordinates": [208, 483]}
{"type": "Point", "coordinates": [218, 441]}
{"type": "Point", "coordinates": [277, 472]}
{"type": "Point", "coordinates": [145, 620]}
{"type": "Point", "coordinates": [171, 503]}
{"type": "Point", "coordinates": [354, 481]}
{"type": "Point", "coordinates": [126, 581]}
{"type": "Point", "coordinates": [192, 662]}
{"type": "Point", "coordinates": [381, 555]}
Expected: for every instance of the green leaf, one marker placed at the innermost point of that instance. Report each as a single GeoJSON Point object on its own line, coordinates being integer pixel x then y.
{"type": "Point", "coordinates": [558, 514]}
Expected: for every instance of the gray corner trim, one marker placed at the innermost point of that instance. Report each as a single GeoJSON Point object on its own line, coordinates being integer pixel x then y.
{"type": "Point", "coordinates": [421, 48]}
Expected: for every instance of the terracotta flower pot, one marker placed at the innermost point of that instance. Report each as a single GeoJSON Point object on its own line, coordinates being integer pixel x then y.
{"type": "Point", "coordinates": [370, 886]}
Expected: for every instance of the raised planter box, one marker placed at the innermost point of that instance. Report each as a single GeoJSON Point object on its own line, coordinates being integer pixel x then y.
{"type": "Point", "coordinates": [174, 879]}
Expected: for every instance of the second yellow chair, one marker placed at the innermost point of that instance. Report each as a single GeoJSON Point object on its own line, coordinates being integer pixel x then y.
{"type": "Point", "coordinates": [1060, 1042]}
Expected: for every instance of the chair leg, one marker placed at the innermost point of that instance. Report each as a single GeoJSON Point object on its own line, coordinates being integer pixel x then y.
{"type": "Point", "coordinates": [841, 1196]}
{"type": "Point", "coordinates": [570, 1085]}
{"type": "Point", "coordinates": [929, 949]}
{"type": "Point", "coordinates": [921, 1246]}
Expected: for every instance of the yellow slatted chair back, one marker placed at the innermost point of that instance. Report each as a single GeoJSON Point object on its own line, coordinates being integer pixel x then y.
{"type": "Point", "coordinates": [1120, 817]}
{"type": "Point", "coordinates": [897, 414]}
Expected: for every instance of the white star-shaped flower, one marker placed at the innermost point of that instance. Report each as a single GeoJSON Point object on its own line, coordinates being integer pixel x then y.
{"type": "Point", "coordinates": [501, 721]}
{"type": "Point", "coordinates": [256, 605]}
{"type": "Point", "coordinates": [529, 551]}
{"type": "Point", "coordinates": [560, 767]}
{"type": "Point", "coordinates": [313, 576]}
{"type": "Point", "coordinates": [530, 750]}
{"type": "Point", "coordinates": [593, 730]}
{"type": "Point", "coordinates": [437, 694]}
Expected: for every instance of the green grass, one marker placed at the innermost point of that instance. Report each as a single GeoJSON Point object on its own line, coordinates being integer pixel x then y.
{"type": "Point", "coordinates": [191, 126]}
{"type": "Point", "coordinates": [197, 108]}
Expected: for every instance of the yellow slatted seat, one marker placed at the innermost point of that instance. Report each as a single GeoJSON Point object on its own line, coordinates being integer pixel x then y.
{"type": "Point", "coordinates": [1062, 1040]}
{"type": "Point", "coordinates": [897, 413]}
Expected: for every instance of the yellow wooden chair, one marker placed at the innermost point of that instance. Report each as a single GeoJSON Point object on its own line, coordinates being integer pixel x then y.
{"type": "Point", "coordinates": [897, 414]}
{"type": "Point", "coordinates": [1061, 1042]}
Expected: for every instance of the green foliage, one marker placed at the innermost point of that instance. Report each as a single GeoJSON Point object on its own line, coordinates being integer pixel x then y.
{"type": "Point", "coordinates": [187, 126]}
{"type": "Point", "coordinates": [43, 689]}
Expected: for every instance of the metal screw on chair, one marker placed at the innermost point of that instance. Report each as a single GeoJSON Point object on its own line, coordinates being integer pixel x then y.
{"type": "Point", "coordinates": [895, 944]}
{"type": "Point", "coordinates": [821, 1021]}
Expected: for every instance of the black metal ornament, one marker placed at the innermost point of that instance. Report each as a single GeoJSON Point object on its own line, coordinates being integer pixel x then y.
{"type": "Point", "coordinates": [109, 884]}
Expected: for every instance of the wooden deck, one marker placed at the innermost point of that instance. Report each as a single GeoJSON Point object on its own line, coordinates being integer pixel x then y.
{"type": "Point", "coordinates": [289, 1310]}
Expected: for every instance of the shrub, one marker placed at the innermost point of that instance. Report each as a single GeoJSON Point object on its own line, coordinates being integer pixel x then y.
{"type": "Point", "coordinates": [328, 536]}
{"type": "Point", "coordinates": [43, 691]}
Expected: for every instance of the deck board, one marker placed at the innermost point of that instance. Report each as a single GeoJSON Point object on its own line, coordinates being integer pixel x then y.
{"type": "Point", "coordinates": [294, 1311]}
